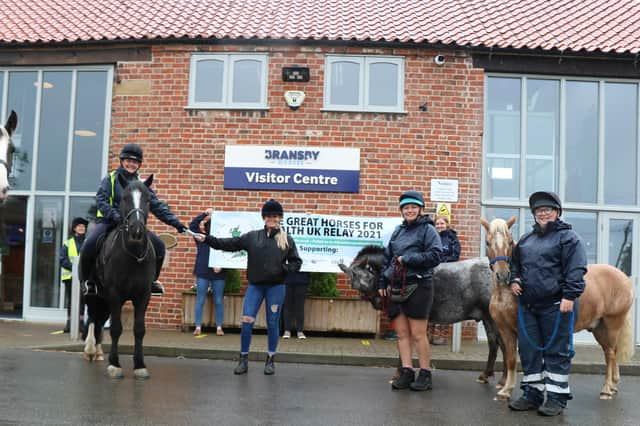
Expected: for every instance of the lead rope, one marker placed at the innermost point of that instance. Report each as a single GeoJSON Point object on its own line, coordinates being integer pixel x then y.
{"type": "Point", "coordinates": [556, 326]}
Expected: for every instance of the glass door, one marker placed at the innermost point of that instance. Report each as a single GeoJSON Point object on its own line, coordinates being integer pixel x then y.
{"type": "Point", "coordinates": [13, 220]}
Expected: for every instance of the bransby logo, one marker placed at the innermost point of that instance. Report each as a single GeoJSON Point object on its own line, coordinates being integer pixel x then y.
{"type": "Point", "coordinates": [290, 154]}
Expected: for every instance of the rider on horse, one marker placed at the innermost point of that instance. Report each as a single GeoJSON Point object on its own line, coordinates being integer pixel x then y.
{"type": "Point", "coordinates": [108, 217]}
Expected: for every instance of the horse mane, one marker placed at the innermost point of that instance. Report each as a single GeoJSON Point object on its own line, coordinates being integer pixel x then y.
{"type": "Point", "coordinates": [370, 250]}
{"type": "Point", "coordinates": [500, 229]}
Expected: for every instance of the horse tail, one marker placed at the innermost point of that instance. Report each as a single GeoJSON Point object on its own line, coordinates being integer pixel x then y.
{"type": "Point", "coordinates": [626, 347]}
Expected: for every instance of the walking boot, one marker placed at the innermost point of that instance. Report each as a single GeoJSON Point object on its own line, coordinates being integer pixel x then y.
{"type": "Point", "coordinates": [551, 407]}
{"type": "Point", "coordinates": [269, 365]}
{"type": "Point", "coordinates": [523, 404]}
{"type": "Point", "coordinates": [422, 382]}
{"type": "Point", "coordinates": [406, 377]}
{"type": "Point", "coordinates": [243, 365]}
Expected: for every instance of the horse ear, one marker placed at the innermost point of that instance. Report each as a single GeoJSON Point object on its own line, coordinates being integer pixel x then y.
{"type": "Point", "coordinates": [149, 181]}
{"type": "Point", "coordinates": [484, 223]}
{"type": "Point", "coordinates": [511, 221]}
{"type": "Point", "coordinates": [344, 268]}
{"type": "Point", "coordinates": [122, 181]}
{"type": "Point", "coordinates": [12, 122]}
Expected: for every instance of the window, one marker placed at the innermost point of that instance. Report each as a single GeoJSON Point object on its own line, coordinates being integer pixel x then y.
{"type": "Point", "coordinates": [364, 83]}
{"type": "Point", "coordinates": [228, 81]}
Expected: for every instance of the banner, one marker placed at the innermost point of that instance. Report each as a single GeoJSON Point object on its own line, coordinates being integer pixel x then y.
{"type": "Point", "coordinates": [323, 241]}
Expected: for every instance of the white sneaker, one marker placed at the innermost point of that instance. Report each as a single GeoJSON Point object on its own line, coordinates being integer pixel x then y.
{"type": "Point", "coordinates": [286, 335]}
{"type": "Point", "coordinates": [301, 335]}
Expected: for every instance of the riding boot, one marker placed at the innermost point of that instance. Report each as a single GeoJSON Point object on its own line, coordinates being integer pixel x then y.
{"type": "Point", "coordinates": [269, 366]}
{"type": "Point", "coordinates": [156, 286]}
{"type": "Point", "coordinates": [243, 364]}
{"type": "Point", "coordinates": [67, 327]}
{"type": "Point", "coordinates": [407, 376]}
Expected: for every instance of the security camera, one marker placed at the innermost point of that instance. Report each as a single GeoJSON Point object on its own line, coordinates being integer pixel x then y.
{"type": "Point", "coordinates": [439, 60]}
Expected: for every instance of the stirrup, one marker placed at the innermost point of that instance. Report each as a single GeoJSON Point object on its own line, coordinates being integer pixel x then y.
{"type": "Point", "coordinates": [157, 289]}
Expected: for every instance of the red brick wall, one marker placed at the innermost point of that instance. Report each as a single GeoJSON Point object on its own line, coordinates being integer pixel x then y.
{"type": "Point", "coordinates": [185, 148]}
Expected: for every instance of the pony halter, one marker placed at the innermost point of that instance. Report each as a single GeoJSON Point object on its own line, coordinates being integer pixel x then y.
{"type": "Point", "coordinates": [499, 258]}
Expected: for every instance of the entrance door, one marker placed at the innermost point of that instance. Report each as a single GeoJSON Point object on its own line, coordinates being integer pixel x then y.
{"type": "Point", "coordinates": [13, 215]}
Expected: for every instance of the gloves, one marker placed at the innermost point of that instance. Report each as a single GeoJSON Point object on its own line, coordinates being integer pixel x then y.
{"type": "Point", "coordinates": [116, 218]}
{"type": "Point", "coordinates": [181, 228]}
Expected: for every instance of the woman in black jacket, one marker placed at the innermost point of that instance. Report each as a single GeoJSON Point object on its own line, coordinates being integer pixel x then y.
{"type": "Point", "coordinates": [271, 255]}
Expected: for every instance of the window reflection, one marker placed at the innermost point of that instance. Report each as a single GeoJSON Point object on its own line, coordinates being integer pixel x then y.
{"type": "Point", "coordinates": [22, 99]}
{"type": "Point", "coordinates": [45, 270]}
{"type": "Point", "coordinates": [382, 91]}
{"type": "Point", "coordinates": [247, 81]}
{"type": "Point", "coordinates": [345, 83]}
{"type": "Point", "coordinates": [586, 226]}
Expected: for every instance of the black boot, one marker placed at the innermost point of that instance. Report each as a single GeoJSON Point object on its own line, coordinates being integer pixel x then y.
{"type": "Point", "coordinates": [423, 381]}
{"type": "Point", "coordinates": [67, 327]}
{"type": "Point", "coordinates": [269, 365]}
{"type": "Point", "coordinates": [243, 365]}
{"type": "Point", "coordinates": [551, 407]}
{"type": "Point", "coordinates": [523, 404]}
{"type": "Point", "coordinates": [406, 377]}
{"type": "Point", "coordinates": [157, 289]}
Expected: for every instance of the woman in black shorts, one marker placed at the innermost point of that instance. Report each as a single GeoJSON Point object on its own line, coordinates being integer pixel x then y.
{"type": "Point", "coordinates": [413, 251]}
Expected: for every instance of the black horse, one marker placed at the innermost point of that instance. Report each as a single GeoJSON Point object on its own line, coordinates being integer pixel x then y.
{"type": "Point", "coordinates": [125, 270]}
{"type": "Point", "coordinates": [462, 291]}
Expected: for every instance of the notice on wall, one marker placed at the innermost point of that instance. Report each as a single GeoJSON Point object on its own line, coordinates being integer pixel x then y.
{"type": "Point", "coordinates": [291, 168]}
{"type": "Point", "coordinates": [444, 190]}
{"type": "Point", "coordinates": [323, 241]}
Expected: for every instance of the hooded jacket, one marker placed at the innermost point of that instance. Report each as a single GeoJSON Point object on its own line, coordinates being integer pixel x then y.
{"type": "Point", "coordinates": [267, 264]}
{"type": "Point", "coordinates": [550, 264]}
{"type": "Point", "coordinates": [450, 245]}
{"type": "Point", "coordinates": [419, 245]}
{"type": "Point", "coordinates": [201, 268]}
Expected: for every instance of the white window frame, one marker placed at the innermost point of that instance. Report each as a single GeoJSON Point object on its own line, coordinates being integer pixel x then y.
{"type": "Point", "coordinates": [363, 81]}
{"type": "Point", "coordinates": [229, 59]}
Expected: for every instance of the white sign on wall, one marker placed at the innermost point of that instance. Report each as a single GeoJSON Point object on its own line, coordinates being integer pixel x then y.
{"type": "Point", "coordinates": [322, 241]}
{"type": "Point", "coordinates": [444, 190]}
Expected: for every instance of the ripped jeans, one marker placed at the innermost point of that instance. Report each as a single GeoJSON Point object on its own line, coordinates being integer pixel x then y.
{"type": "Point", "coordinates": [273, 295]}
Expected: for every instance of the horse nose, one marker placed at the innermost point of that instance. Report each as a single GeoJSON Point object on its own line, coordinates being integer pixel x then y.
{"type": "Point", "coordinates": [503, 276]}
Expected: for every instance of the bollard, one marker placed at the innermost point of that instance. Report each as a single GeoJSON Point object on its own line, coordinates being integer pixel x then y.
{"type": "Point", "coordinates": [75, 301]}
{"type": "Point", "coordinates": [456, 337]}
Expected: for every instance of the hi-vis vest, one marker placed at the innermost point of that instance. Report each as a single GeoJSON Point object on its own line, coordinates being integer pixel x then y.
{"type": "Point", "coordinates": [72, 251]}
{"type": "Point", "coordinates": [113, 192]}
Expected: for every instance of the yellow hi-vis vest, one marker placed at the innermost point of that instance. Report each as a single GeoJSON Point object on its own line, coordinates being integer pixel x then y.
{"type": "Point", "coordinates": [72, 252]}
{"type": "Point", "coordinates": [113, 192]}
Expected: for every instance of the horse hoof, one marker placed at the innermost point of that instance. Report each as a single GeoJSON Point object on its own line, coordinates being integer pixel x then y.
{"type": "Point", "coordinates": [500, 397]}
{"type": "Point", "coordinates": [99, 357]}
{"type": "Point", "coordinates": [606, 396]}
{"type": "Point", "coordinates": [141, 373]}
{"type": "Point", "coordinates": [115, 372]}
{"type": "Point", "coordinates": [482, 380]}
{"type": "Point", "coordinates": [499, 385]}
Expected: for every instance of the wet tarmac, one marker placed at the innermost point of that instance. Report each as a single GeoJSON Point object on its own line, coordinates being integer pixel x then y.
{"type": "Point", "coordinates": [59, 388]}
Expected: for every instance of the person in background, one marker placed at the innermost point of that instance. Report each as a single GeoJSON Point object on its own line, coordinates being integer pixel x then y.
{"type": "Point", "coordinates": [68, 256]}
{"type": "Point", "coordinates": [271, 255]}
{"type": "Point", "coordinates": [207, 278]}
{"type": "Point", "coordinates": [296, 283]}
{"type": "Point", "coordinates": [450, 253]}
{"type": "Point", "coordinates": [413, 251]}
{"type": "Point", "coordinates": [547, 276]}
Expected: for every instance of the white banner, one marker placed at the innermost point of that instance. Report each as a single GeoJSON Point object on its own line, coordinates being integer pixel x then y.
{"type": "Point", "coordinates": [322, 241]}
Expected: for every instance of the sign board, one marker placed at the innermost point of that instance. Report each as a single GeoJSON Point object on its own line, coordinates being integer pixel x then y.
{"type": "Point", "coordinates": [444, 209]}
{"type": "Point", "coordinates": [291, 168]}
{"type": "Point", "coordinates": [445, 190]}
{"type": "Point", "coordinates": [322, 241]}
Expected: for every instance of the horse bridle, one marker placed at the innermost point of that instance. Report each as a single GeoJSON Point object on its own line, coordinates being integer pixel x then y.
{"type": "Point", "coordinates": [8, 162]}
{"type": "Point", "coordinates": [493, 260]}
{"type": "Point", "coordinates": [125, 228]}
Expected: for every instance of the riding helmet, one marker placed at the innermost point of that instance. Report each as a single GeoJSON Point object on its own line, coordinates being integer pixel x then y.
{"type": "Point", "coordinates": [272, 207]}
{"type": "Point", "coordinates": [78, 221]}
{"type": "Point", "coordinates": [411, 197]}
{"type": "Point", "coordinates": [132, 151]}
{"type": "Point", "coordinates": [545, 199]}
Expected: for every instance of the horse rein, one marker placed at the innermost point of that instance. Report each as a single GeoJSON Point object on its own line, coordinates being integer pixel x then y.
{"type": "Point", "coordinates": [125, 227]}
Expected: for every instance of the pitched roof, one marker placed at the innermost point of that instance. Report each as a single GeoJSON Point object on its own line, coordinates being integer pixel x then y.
{"type": "Point", "coordinates": [610, 26]}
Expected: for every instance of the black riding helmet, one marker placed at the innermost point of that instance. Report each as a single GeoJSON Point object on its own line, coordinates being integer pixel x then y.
{"type": "Point", "coordinates": [411, 197]}
{"type": "Point", "coordinates": [272, 207]}
{"type": "Point", "coordinates": [132, 151]}
{"type": "Point", "coordinates": [545, 199]}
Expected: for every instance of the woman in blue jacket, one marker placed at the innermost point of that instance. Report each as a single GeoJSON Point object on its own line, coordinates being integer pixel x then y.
{"type": "Point", "coordinates": [206, 276]}
{"type": "Point", "coordinates": [413, 251]}
{"type": "Point", "coordinates": [547, 270]}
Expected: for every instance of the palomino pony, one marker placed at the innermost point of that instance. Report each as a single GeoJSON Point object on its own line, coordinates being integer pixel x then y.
{"type": "Point", "coordinates": [126, 268]}
{"type": "Point", "coordinates": [462, 291]}
{"type": "Point", "coordinates": [604, 309]}
{"type": "Point", "coordinates": [6, 153]}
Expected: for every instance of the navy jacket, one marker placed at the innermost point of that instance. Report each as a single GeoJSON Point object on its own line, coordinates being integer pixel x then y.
{"type": "Point", "coordinates": [111, 213]}
{"type": "Point", "coordinates": [550, 264]}
{"type": "Point", "coordinates": [450, 246]}
{"type": "Point", "coordinates": [201, 268]}
{"type": "Point", "coordinates": [419, 245]}
{"type": "Point", "coordinates": [266, 262]}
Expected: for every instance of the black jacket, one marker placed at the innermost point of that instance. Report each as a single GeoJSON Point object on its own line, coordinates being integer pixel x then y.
{"type": "Point", "coordinates": [450, 246]}
{"type": "Point", "coordinates": [201, 267]}
{"type": "Point", "coordinates": [550, 264]}
{"type": "Point", "coordinates": [111, 212]}
{"type": "Point", "coordinates": [419, 245]}
{"type": "Point", "coordinates": [266, 263]}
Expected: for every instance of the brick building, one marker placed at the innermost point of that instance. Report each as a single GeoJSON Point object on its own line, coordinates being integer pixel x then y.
{"type": "Point", "coordinates": [504, 97]}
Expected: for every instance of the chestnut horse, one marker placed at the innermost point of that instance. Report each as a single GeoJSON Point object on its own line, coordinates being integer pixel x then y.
{"type": "Point", "coordinates": [604, 308]}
